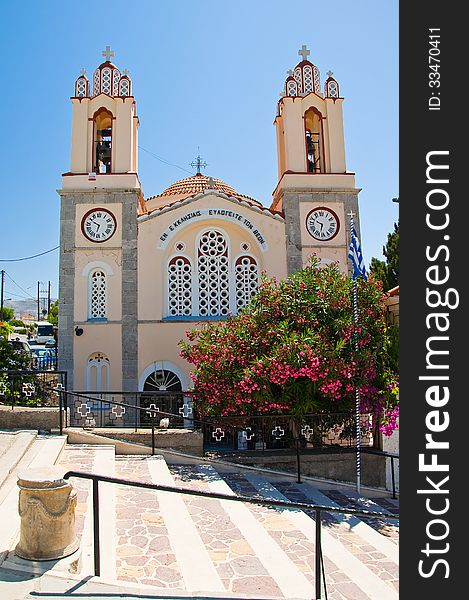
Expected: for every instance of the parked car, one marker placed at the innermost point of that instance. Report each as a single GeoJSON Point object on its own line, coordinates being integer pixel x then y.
{"type": "Point", "coordinates": [44, 359]}
{"type": "Point", "coordinates": [21, 345]}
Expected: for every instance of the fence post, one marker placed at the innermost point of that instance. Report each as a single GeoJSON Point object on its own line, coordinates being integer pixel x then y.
{"type": "Point", "coordinates": [297, 440]}
{"type": "Point", "coordinates": [393, 478]}
{"type": "Point", "coordinates": [61, 417]}
{"type": "Point", "coordinates": [96, 549]}
{"type": "Point", "coordinates": [318, 551]}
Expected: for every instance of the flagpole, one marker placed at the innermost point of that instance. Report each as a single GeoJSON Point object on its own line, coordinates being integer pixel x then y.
{"type": "Point", "coordinates": [357, 391]}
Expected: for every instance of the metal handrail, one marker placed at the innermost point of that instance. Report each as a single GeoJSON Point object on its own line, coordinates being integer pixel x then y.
{"type": "Point", "coordinates": [317, 508]}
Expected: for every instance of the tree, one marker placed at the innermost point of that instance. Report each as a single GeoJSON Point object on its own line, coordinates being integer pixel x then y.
{"type": "Point", "coordinates": [53, 316]}
{"type": "Point", "coordinates": [293, 350]}
{"type": "Point", "coordinates": [7, 313]}
{"type": "Point", "coordinates": [388, 272]}
{"type": "Point", "coordinates": [10, 357]}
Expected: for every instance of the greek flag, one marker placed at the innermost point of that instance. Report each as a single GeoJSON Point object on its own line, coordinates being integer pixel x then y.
{"type": "Point", "coordinates": [356, 256]}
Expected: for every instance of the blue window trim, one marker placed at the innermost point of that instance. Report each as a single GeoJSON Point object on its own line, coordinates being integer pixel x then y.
{"type": "Point", "coordinates": [196, 318]}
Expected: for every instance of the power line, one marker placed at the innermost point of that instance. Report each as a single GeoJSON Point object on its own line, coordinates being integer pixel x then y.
{"type": "Point", "coordinates": [18, 286]}
{"type": "Point", "coordinates": [7, 293]}
{"type": "Point", "coordinates": [165, 161]}
{"type": "Point", "coordinates": [28, 257]}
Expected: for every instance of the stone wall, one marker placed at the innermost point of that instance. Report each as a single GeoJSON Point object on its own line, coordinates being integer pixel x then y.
{"type": "Point", "coordinates": [22, 417]}
{"type": "Point", "coordinates": [181, 440]}
{"type": "Point", "coordinates": [340, 466]}
{"type": "Point", "coordinates": [391, 445]}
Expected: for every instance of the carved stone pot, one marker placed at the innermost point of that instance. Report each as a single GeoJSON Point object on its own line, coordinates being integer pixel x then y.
{"type": "Point", "coordinates": [46, 506]}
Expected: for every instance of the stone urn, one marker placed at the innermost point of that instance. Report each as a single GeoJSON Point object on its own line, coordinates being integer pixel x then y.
{"type": "Point", "coordinates": [46, 506]}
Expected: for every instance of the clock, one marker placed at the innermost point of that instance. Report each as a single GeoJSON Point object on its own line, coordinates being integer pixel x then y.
{"type": "Point", "coordinates": [98, 225]}
{"type": "Point", "coordinates": [322, 224]}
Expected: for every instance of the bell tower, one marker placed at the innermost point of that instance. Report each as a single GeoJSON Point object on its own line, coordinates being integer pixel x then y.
{"type": "Point", "coordinates": [100, 196]}
{"type": "Point", "coordinates": [314, 190]}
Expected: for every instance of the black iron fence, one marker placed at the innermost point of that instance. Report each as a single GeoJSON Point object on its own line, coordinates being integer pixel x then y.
{"type": "Point", "coordinates": [276, 432]}
{"type": "Point", "coordinates": [128, 409]}
{"type": "Point", "coordinates": [320, 580]}
{"type": "Point", "coordinates": [32, 388]}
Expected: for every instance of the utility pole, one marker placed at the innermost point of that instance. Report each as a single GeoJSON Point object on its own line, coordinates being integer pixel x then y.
{"type": "Point", "coordinates": [48, 300]}
{"type": "Point", "coordinates": [1, 294]}
{"type": "Point", "coordinates": [38, 302]}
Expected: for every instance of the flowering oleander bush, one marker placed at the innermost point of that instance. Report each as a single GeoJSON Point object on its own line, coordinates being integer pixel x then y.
{"type": "Point", "coordinates": [292, 350]}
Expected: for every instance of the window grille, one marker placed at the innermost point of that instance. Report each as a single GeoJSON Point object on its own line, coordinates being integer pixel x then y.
{"type": "Point", "coordinates": [179, 287]}
{"type": "Point", "coordinates": [247, 280]}
{"type": "Point", "coordinates": [98, 295]}
{"type": "Point", "coordinates": [213, 274]}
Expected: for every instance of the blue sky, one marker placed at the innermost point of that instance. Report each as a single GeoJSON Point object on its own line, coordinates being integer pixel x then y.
{"type": "Point", "coordinates": [206, 74]}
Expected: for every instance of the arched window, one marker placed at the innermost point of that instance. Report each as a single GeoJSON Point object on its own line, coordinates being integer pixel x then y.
{"type": "Point", "coordinates": [81, 87]}
{"type": "Point", "coordinates": [124, 86]}
{"type": "Point", "coordinates": [102, 141]}
{"type": "Point", "coordinates": [247, 280]}
{"type": "Point", "coordinates": [106, 81]}
{"type": "Point", "coordinates": [292, 87]}
{"type": "Point", "coordinates": [213, 274]}
{"type": "Point", "coordinates": [179, 287]}
{"type": "Point", "coordinates": [298, 79]}
{"type": "Point", "coordinates": [307, 79]}
{"type": "Point", "coordinates": [317, 80]}
{"type": "Point", "coordinates": [98, 373]}
{"type": "Point", "coordinates": [332, 88]}
{"type": "Point", "coordinates": [97, 295]}
{"type": "Point", "coordinates": [116, 75]}
{"type": "Point", "coordinates": [313, 135]}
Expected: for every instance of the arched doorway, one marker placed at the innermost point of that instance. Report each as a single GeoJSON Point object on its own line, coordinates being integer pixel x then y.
{"type": "Point", "coordinates": [163, 387]}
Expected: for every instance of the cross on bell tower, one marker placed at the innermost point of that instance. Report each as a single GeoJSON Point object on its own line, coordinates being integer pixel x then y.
{"type": "Point", "coordinates": [108, 53]}
{"type": "Point", "coordinates": [304, 52]}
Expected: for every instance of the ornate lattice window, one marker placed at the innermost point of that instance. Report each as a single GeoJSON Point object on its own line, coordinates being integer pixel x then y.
{"type": "Point", "coordinates": [97, 291]}
{"type": "Point", "coordinates": [307, 79]}
{"type": "Point", "coordinates": [292, 88]}
{"type": "Point", "coordinates": [81, 87]}
{"type": "Point", "coordinates": [179, 287]}
{"type": "Point", "coordinates": [332, 89]}
{"type": "Point", "coordinates": [247, 280]}
{"type": "Point", "coordinates": [96, 82]}
{"type": "Point", "coordinates": [317, 80]}
{"type": "Point", "coordinates": [298, 79]}
{"type": "Point", "coordinates": [124, 87]}
{"type": "Point", "coordinates": [213, 274]}
{"type": "Point", "coordinates": [106, 81]}
{"type": "Point", "coordinates": [116, 75]}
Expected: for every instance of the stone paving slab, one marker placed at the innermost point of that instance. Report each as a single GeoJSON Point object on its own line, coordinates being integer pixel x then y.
{"type": "Point", "coordinates": [144, 551]}
{"type": "Point", "coordinates": [348, 558]}
{"type": "Point", "coordinates": [241, 571]}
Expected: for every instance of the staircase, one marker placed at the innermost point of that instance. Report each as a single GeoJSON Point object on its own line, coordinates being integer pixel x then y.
{"type": "Point", "coordinates": [164, 545]}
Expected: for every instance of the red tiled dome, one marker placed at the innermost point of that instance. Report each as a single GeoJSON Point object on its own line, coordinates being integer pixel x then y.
{"type": "Point", "coordinates": [191, 186]}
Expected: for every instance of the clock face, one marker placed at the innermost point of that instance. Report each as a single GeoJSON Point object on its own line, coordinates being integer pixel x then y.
{"type": "Point", "coordinates": [98, 225]}
{"type": "Point", "coordinates": [322, 223]}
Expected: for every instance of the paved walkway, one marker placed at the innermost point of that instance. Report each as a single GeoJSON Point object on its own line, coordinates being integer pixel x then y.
{"type": "Point", "coordinates": [189, 546]}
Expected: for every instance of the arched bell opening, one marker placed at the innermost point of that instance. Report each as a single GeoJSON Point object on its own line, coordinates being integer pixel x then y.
{"type": "Point", "coordinates": [103, 141]}
{"type": "Point", "coordinates": [314, 141]}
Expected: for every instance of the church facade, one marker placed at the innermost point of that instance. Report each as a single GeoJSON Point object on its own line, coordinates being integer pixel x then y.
{"type": "Point", "coordinates": [137, 272]}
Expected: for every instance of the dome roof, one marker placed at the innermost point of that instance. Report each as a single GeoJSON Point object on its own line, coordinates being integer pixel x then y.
{"type": "Point", "coordinates": [191, 186]}
{"type": "Point", "coordinates": [195, 184]}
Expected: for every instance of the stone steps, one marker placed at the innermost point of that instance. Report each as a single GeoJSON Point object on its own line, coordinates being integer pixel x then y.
{"type": "Point", "coordinates": [173, 545]}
